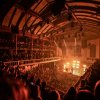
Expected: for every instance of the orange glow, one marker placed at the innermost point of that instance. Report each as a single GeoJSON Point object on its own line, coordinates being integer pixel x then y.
{"type": "Point", "coordinates": [84, 66]}
{"type": "Point", "coordinates": [68, 63]}
{"type": "Point", "coordinates": [75, 67]}
{"type": "Point", "coordinates": [78, 61]}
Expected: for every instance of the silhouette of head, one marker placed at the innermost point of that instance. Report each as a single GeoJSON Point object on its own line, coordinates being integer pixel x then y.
{"type": "Point", "coordinates": [97, 90]}
{"type": "Point", "coordinates": [84, 95]}
{"type": "Point", "coordinates": [54, 95]}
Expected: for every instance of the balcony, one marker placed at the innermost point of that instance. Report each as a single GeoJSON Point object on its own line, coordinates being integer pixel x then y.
{"type": "Point", "coordinates": [32, 61]}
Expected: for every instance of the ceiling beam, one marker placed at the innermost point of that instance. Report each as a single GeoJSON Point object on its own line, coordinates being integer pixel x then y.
{"type": "Point", "coordinates": [10, 21]}
{"type": "Point", "coordinates": [85, 1]}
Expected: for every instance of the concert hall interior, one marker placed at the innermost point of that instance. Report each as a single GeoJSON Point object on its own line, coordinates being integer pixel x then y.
{"type": "Point", "coordinates": [49, 49]}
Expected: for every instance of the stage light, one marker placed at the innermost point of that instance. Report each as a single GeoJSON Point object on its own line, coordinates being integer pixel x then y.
{"type": "Point", "coordinates": [74, 61]}
{"type": "Point", "coordinates": [64, 69]}
{"type": "Point", "coordinates": [73, 66]}
{"type": "Point", "coordinates": [78, 61]}
{"type": "Point", "coordinates": [68, 63]}
{"type": "Point", "coordinates": [77, 66]}
{"type": "Point", "coordinates": [84, 66]}
{"type": "Point", "coordinates": [64, 65]}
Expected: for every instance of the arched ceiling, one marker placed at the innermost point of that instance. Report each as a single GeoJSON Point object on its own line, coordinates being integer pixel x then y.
{"type": "Point", "coordinates": [52, 18]}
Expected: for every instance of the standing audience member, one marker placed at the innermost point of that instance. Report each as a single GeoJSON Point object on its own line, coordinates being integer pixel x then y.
{"type": "Point", "coordinates": [84, 95]}
{"type": "Point", "coordinates": [44, 92]}
{"type": "Point", "coordinates": [97, 90]}
{"type": "Point", "coordinates": [70, 94]}
{"type": "Point", "coordinates": [54, 95]}
{"type": "Point", "coordinates": [82, 85]}
{"type": "Point", "coordinates": [36, 93]}
{"type": "Point", "coordinates": [11, 89]}
{"type": "Point", "coordinates": [38, 82]}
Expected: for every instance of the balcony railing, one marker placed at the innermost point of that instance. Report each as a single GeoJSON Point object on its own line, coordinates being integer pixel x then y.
{"type": "Point", "coordinates": [32, 61]}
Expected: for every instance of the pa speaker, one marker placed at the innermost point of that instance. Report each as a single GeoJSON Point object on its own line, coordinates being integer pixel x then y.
{"type": "Point", "coordinates": [84, 43]}
{"type": "Point", "coordinates": [14, 29]}
{"type": "Point", "coordinates": [58, 6]}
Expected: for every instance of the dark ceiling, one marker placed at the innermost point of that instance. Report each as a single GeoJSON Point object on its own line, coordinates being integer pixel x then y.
{"type": "Point", "coordinates": [51, 18]}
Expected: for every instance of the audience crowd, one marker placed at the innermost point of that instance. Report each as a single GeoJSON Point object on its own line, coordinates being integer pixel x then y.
{"type": "Point", "coordinates": [15, 85]}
